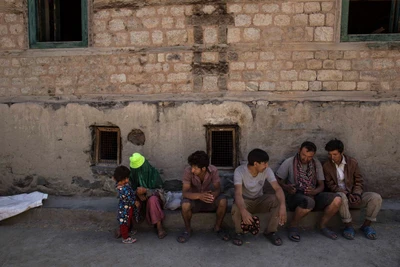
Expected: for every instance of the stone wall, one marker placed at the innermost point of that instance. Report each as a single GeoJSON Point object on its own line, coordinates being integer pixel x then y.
{"type": "Point", "coordinates": [277, 69]}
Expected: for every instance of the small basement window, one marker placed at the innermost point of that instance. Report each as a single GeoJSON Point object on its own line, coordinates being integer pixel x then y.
{"type": "Point", "coordinates": [222, 145]}
{"type": "Point", "coordinates": [57, 23]}
{"type": "Point", "coordinates": [370, 20]}
{"type": "Point", "coordinates": [107, 146]}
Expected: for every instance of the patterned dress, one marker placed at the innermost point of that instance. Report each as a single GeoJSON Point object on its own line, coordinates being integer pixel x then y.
{"type": "Point", "coordinates": [127, 199]}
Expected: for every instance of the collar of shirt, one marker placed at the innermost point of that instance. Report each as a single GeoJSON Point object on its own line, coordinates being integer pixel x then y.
{"type": "Point", "coordinates": [341, 163]}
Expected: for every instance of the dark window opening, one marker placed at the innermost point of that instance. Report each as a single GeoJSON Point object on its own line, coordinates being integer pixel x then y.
{"type": "Point", "coordinates": [370, 20]}
{"type": "Point", "coordinates": [373, 17]}
{"type": "Point", "coordinates": [222, 146]}
{"type": "Point", "coordinates": [59, 21]}
{"type": "Point", "coordinates": [107, 145]}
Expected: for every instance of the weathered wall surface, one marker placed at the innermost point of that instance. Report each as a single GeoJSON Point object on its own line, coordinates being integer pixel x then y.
{"type": "Point", "coordinates": [277, 69]}
{"type": "Point", "coordinates": [48, 146]}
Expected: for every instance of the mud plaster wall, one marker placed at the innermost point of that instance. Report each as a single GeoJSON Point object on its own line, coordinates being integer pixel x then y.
{"type": "Point", "coordinates": [47, 147]}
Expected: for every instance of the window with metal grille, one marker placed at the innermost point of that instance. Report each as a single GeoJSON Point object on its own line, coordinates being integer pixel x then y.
{"type": "Point", "coordinates": [108, 147]}
{"type": "Point", "coordinates": [222, 145]}
{"type": "Point", "coordinates": [57, 23]}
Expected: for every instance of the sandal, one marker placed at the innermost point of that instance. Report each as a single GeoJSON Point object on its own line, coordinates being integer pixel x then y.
{"type": "Point", "coordinates": [348, 233]}
{"type": "Point", "coordinates": [184, 237]}
{"type": "Point", "coordinates": [221, 233]}
{"type": "Point", "coordinates": [369, 232]}
{"type": "Point", "coordinates": [162, 234]}
{"type": "Point", "coordinates": [238, 240]}
{"type": "Point", "coordinates": [129, 240]}
{"type": "Point", "coordinates": [274, 238]}
{"type": "Point", "coordinates": [328, 233]}
{"type": "Point", "coordinates": [294, 234]}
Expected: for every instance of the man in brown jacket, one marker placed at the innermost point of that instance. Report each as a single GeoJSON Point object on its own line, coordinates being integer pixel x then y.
{"type": "Point", "coordinates": [343, 177]}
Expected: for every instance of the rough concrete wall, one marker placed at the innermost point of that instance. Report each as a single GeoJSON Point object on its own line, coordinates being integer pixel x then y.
{"type": "Point", "coordinates": [48, 146]}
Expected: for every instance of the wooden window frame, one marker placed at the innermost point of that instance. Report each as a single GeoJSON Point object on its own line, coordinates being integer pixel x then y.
{"type": "Point", "coordinates": [32, 21]}
{"type": "Point", "coordinates": [98, 130]}
{"type": "Point", "coordinates": [345, 37]}
{"type": "Point", "coordinates": [234, 130]}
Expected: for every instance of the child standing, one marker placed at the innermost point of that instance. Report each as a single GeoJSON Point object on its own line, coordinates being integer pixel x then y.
{"type": "Point", "coordinates": [126, 205]}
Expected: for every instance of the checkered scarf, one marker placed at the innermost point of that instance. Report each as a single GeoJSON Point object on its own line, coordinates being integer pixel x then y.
{"type": "Point", "coordinates": [307, 178]}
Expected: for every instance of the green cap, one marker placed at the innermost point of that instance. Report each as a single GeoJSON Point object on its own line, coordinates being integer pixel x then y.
{"type": "Point", "coordinates": [136, 160]}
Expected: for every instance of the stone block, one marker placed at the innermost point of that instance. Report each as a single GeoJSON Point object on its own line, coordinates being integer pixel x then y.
{"type": "Point", "coordinates": [236, 86]}
{"type": "Point", "coordinates": [288, 7]}
{"type": "Point", "coordinates": [298, 8]}
{"type": "Point", "coordinates": [234, 35]}
{"type": "Point", "coordinates": [146, 12]}
{"type": "Point", "coordinates": [250, 8]}
{"type": "Point", "coordinates": [157, 37]}
{"type": "Point", "coordinates": [208, 9]}
{"type": "Point", "coordinates": [300, 55]}
{"type": "Point", "coordinates": [252, 86]}
{"type": "Point", "coordinates": [210, 35]}
{"type": "Point", "coordinates": [242, 20]}
{"type": "Point", "coordinates": [235, 75]}
{"type": "Point", "coordinates": [323, 34]}
{"type": "Point", "coordinates": [343, 64]}
{"type": "Point", "coordinates": [209, 57]}
{"type": "Point", "coordinates": [271, 75]}
{"type": "Point", "coordinates": [16, 29]}
{"type": "Point", "coordinates": [177, 37]}
{"type": "Point", "coordinates": [7, 42]}
{"type": "Point", "coordinates": [101, 15]}
{"type": "Point", "coordinates": [267, 86]}
{"type": "Point", "coordinates": [312, 7]}
{"type": "Point", "coordinates": [150, 23]}
{"type": "Point", "coordinates": [308, 75]}
{"type": "Point", "coordinates": [317, 19]}
{"type": "Point", "coordinates": [251, 34]}
{"type": "Point", "coordinates": [288, 75]}
{"type": "Point", "coordinates": [327, 6]}
{"type": "Point", "coordinates": [347, 86]}
{"type": "Point", "coordinates": [236, 66]}
{"type": "Point", "coordinates": [267, 55]}
{"type": "Point", "coordinates": [330, 20]}
{"type": "Point", "coordinates": [118, 78]}
{"type": "Point", "coordinates": [180, 67]}
{"type": "Point", "coordinates": [167, 22]}
{"type": "Point", "coordinates": [121, 12]}
{"type": "Point", "coordinates": [350, 54]}
{"type": "Point", "coordinates": [382, 63]}
{"type": "Point", "coordinates": [315, 86]}
{"type": "Point", "coordinates": [282, 20]}
{"type": "Point", "coordinates": [177, 77]}
{"type": "Point", "coordinates": [300, 20]}
{"type": "Point", "coordinates": [262, 19]}
{"type": "Point", "coordinates": [300, 85]}
{"type": "Point", "coordinates": [350, 75]}
{"type": "Point", "coordinates": [328, 64]}
{"type": "Point", "coordinates": [177, 11]}
{"type": "Point", "coordinates": [329, 86]}
{"type": "Point", "coordinates": [8, 18]}
{"type": "Point", "coordinates": [250, 65]}
{"type": "Point", "coordinates": [263, 65]}
{"type": "Point", "coordinates": [361, 64]}
{"type": "Point", "coordinates": [329, 75]}
{"type": "Point", "coordinates": [363, 86]}
{"type": "Point", "coordinates": [369, 75]}
{"type": "Point", "coordinates": [210, 83]}
{"type": "Point", "coordinates": [270, 8]}
{"type": "Point", "coordinates": [234, 8]}
{"type": "Point", "coordinates": [314, 64]}
{"type": "Point", "coordinates": [141, 38]}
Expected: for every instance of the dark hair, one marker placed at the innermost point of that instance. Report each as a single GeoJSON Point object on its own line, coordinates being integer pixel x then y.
{"type": "Point", "coordinates": [257, 155]}
{"type": "Point", "coordinates": [199, 159]}
{"type": "Point", "coordinates": [334, 145]}
{"type": "Point", "coordinates": [310, 146]}
{"type": "Point", "coordinates": [121, 173]}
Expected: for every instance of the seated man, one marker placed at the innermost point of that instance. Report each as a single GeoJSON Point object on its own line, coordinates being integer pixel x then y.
{"type": "Point", "coordinates": [302, 179]}
{"type": "Point", "coordinates": [201, 191]}
{"type": "Point", "coordinates": [249, 197]}
{"type": "Point", "coordinates": [344, 178]}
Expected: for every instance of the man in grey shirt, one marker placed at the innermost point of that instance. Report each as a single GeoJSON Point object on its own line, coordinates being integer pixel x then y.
{"type": "Point", "coordinates": [302, 178]}
{"type": "Point", "coordinates": [249, 197]}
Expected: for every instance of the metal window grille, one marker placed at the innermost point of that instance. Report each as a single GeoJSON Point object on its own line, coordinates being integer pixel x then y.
{"type": "Point", "coordinates": [108, 145]}
{"type": "Point", "coordinates": [222, 146]}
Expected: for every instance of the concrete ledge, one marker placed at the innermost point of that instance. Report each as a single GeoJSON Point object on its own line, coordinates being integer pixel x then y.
{"type": "Point", "coordinates": [99, 214]}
